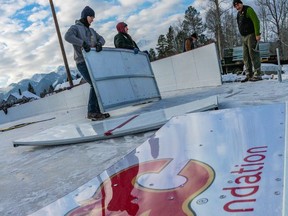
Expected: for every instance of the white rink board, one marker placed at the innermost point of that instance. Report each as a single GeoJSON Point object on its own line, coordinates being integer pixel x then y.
{"type": "Point", "coordinates": [61, 101]}
{"type": "Point", "coordinates": [227, 162]}
{"type": "Point", "coordinates": [121, 78]}
{"type": "Point", "coordinates": [85, 132]}
{"type": "Point", "coordinates": [197, 68]}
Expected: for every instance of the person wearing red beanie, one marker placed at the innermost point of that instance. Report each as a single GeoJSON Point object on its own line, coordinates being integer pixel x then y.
{"type": "Point", "coordinates": [123, 39]}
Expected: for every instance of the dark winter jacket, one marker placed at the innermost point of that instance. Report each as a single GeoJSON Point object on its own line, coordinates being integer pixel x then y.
{"type": "Point", "coordinates": [189, 44]}
{"type": "Point", "coordinates": [78, 33]}
{"type": "Point", "coordinates": [124, 40]}
{"type": "Point", "coordinates": [248, 22]}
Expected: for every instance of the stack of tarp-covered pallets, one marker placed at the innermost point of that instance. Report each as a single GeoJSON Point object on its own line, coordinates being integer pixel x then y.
{"type": "Point", "coordinates": [264, 49]}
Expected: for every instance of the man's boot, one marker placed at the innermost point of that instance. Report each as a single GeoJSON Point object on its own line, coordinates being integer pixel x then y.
{"type": "Point", "coordinates": [256, 76]}
{"type": "Point", "coordinates": [248, 76]}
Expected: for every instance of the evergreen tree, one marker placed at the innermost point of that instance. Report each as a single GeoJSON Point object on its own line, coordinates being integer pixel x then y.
{"type": "Point", "coordinates": [170, 49]}
{"type": "Point", "coordinates": [31, 89]}
{"type": "Point", "coordinates": [161, 47]}
{"type": "Point", "coordinates": [193, 22]}
{"type": "Point", "coordinates": [51, 89]}
{"type": "Point", "coordinates": [152, 55]}
{"type": "Point", "coordinates": [42, 94]}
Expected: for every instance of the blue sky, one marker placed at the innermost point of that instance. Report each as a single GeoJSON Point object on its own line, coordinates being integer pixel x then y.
{"type": "Point", "coordinates": [28, 39]}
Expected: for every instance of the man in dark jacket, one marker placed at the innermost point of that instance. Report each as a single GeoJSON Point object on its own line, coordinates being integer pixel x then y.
{"type": "Point", "coordinates": [123, 39]}
{"type": "Point", "coordinates": [81, 36]}
{"type": "Point", "coordinates": [249, 28]}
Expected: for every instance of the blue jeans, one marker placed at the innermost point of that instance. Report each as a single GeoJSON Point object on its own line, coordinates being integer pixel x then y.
{"type": "Point", "coordinates": [93, 106]}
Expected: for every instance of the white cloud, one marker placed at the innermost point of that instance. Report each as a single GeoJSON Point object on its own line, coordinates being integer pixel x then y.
{"type": "Point", "coordinates": [131, 3]}
{"type": "Point", "coordinates": [38, 16]}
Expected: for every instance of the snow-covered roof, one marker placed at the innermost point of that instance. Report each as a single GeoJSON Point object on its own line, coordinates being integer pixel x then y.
{"type": "Point", "coordinates": [66, 84]}
{"type": "Point", "coordinates": [26, 94]}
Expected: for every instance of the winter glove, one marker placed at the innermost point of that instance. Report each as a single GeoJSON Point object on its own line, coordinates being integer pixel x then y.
{"type": "Point", "coordinates": [86, 47]}
{"type": "Point", "coordinates": [98, 47]}
{"type": "Point", "coordinates": [136, 50]}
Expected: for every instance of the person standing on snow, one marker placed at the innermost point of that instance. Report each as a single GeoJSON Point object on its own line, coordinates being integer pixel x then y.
{"type": "Point", "coordinates": [81, 36]}
{"type": "Point", "coordinates": [249, 28]}
{"type": "Point", "coordinates": [123, 39]}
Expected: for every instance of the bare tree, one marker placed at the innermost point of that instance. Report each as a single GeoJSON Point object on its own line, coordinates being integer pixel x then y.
{"type": "Point", "coordinates": [277, 15]}
{"type": "Point", "coordinates": [219, 31]}
{"type": "Point", "coordinates": [180, 35]}
{"type": "Point", "coordinates": [262, 14]}
{"type": "Point", "coordinates": [214, 22]}
{"type": "Point", "coordinates": [230, 31]}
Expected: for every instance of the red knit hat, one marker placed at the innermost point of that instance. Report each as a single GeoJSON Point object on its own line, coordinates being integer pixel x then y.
{"type": "Point", "coordinates": [121, 27]}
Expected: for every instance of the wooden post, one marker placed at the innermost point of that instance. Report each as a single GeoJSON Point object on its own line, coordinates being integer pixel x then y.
{"type": "Point", "coordinates": [61, 44]}
{"type": "Point", "coordinates": [279, 66]}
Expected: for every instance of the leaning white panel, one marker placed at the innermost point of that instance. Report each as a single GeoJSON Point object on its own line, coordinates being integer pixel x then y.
{"type": "Point", "coordinates": [85, 132]}
{"type": "Point", "coordinates": [197, 68]}
{"type": "Point", "coordinates": [121, 78]}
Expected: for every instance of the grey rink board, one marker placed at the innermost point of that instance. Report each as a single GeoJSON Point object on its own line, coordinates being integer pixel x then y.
{"type": "Point", "coordinates": [121, 126]}
{"type": "Point", "coordinates": [121, 78]}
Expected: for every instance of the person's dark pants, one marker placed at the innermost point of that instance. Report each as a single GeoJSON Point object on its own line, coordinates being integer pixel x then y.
{"type": "Point", "coordinates": [93, 106]}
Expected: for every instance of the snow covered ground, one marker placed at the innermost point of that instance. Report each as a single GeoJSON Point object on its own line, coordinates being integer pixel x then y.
{"type": "Point", "coordinates": [33, 177]}
{"type": "Point", "coordinates": [269, 70]}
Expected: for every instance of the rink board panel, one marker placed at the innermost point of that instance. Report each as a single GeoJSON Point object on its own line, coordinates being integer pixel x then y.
{"type": "Point", "coordinates": [121, 78]}
{"type": "Point", "coordinates": [193, 69]}
{"type": "Point", "coordinates": [228, 162]}
{"type": "Point", "coordinates": [114, 127]}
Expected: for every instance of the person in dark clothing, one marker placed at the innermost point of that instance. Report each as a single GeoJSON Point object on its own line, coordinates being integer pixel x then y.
{"type": "Point", "coordinates": [123, 39]}
{"type": "Point", "coordinates": [81, 36]}
{"type": "Point", "coordinates": [190, 43]}
{"type": "Point", "coordinates": [249, 28]}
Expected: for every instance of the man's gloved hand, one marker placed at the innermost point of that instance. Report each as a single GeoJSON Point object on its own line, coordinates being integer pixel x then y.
{"type": "Point", "coordinates": [86, 47]}
{"type": "Point", "coordinates": [136, 50]}
{"type": "Point", "coordinates": [98, 47]}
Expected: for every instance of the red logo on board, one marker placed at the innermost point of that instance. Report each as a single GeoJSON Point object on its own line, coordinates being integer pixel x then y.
{"type": "Point", "coordinates": [122, 194]}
